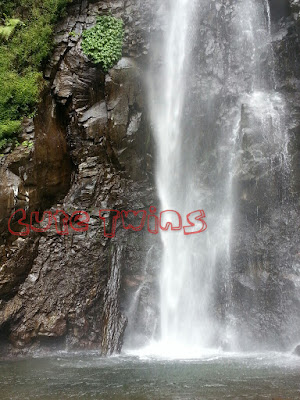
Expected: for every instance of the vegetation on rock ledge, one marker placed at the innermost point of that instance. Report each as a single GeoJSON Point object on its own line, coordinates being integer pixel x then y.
{"type": "Point", "coordinates": [25, 42]}
{"type": "Point", "coordinates": [103, 43]}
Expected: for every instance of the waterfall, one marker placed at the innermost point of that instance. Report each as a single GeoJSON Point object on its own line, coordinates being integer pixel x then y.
{"type": "Point", "coordinates": [187, 267]}
{"type": "Point", "coordinates": [213, 91]}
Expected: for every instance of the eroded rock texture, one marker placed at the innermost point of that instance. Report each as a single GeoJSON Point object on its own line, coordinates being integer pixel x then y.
{"type": "Point", "coordinates": [92, 150]}
{"type": "Point", "coordinates": [265, 248]}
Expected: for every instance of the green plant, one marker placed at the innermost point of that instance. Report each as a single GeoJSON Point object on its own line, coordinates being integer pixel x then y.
{"type": "Point", "coordinates": [27, 143]}
{"type": "Point", "coordinates": [18, 96]}
{"type": "Point", "coordinates": [8, 29]}
{"type": "Point", "coordinates": [23, 52]}
{"type": "Point", "coordinates": [6, 7]}
{"type": "Point", "coordinates": [103, 42]}
{"type": "Point", "coordinates": [3, 143]}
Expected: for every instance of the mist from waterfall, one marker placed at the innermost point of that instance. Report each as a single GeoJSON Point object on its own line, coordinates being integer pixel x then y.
{"type": "Point", "coordinates": [199, 141]}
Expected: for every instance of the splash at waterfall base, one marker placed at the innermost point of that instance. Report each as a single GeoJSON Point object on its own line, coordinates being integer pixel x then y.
{"type": "Point", "coordinates": [78, 222]}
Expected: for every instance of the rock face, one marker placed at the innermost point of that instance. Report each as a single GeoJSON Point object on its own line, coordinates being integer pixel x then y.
{"type": "Point", "coordinates": [93, 150]}
{"type": "Point", "coordinates": [297, 351]}
{"type": "Point", "coordinates": [265, 249]}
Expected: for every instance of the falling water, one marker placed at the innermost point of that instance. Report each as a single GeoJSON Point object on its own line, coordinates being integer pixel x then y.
{"type": "Point", "coordinates": [187, 270]}
{"type": "Point", "coordinates": [212, 74]}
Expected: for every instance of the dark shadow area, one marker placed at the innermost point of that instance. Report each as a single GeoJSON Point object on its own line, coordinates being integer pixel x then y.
{"type": "Point", "coordinates": [279, 9]}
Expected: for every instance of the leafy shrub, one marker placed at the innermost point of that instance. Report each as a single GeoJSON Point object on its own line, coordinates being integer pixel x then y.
{"type": "Point", "coordinates": [8, 29]}
{"type": "Point", "coordinates": [103, 42]}
{"type": "Point", "coordinates": [8, 127]}
{"type": "Point", "coordinates": [7, 6]}
{"type": "Point", "coordinates": [28, 144]}
{"type": "Point", "coordinates": [22, 55]}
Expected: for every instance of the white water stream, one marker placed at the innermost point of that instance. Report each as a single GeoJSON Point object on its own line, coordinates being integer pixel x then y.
{"type": "Point", "coordinates": [190, 264]}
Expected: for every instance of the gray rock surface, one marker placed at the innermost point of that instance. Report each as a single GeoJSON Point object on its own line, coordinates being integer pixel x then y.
{"type": "Point", "coordinates": [297, 351]}
{"type": "Point", "coordinates": [92, 150]}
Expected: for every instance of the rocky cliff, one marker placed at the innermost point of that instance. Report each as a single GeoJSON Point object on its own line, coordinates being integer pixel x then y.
{"type": "Point", "coordinates": [92, 150]}
{"type": "Point", "coordinates": [265, 249]}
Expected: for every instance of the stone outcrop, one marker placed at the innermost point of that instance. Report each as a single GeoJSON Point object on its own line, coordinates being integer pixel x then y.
{"type": "Point", "coordinates": [92, 150]}
{"type": "Point", "coordinates": [297, 351]}
{"type": "Point", "coordinates": [266, 241]}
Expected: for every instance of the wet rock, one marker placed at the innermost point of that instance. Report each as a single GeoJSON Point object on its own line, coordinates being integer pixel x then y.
{"type": "Point", "coordinates": [297, 351]}
{"type": "Point", "coordinates": [52, 325]}
{"type": "Point", "coordinates": [17, 266]}
{"type": "Point", "coordinates": [114, 322]}
{"type": "Point", "coordinates": [92, 150]}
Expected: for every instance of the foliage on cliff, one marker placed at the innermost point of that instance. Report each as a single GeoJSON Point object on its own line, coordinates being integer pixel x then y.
{"type": "Point", "coordinates": [103, 42]}
{"type": "Point", "coordinates": [25, 43]}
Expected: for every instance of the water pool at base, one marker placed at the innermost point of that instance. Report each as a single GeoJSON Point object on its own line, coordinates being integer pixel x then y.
{"type": "Point", "coordinates": [88, 376]}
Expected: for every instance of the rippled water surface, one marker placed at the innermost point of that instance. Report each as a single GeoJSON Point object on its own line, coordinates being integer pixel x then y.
{"type": "Point", "coordinates": [88, 376]}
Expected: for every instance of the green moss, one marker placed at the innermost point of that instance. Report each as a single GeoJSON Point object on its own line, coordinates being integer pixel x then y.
{"type": "Point", "coordinates": [103, 43]}
{"type": "Point", "coordinates": [22, 54]}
